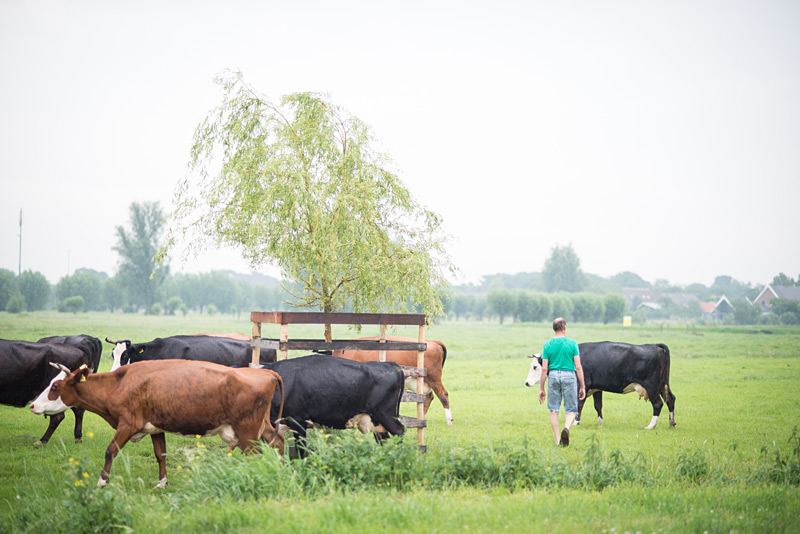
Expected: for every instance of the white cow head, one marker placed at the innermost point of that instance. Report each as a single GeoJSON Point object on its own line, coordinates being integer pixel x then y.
{"type": "Point", "coordinates": [535, 372]}
{"type": "Point", "coordinates": [119, 348]}
{"type": "Point", "coordinates": [44, 406]}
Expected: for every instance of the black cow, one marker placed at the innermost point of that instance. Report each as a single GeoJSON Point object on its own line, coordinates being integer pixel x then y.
{"type": "Point", "coordinates": [332, 391]}
{"type": "Point", "coordinates": [224, 351]}
{"type": "Point", "coordinates": [623, 368]}
{"type": "Point", "coordinates": [26, 372]}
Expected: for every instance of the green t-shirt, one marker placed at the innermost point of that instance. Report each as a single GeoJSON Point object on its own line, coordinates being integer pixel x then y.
{"type": "Point", "coordinates": [561, 352]}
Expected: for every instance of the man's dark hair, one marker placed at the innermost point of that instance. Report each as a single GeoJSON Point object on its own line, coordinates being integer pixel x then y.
{"type": "Point", "coordinates": [559, 325]}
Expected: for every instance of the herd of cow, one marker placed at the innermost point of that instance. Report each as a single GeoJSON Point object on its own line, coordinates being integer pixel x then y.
{"type": "Point", "coordinates": [204, 385]}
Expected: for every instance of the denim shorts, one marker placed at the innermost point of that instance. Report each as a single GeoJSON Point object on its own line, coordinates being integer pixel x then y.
{"type": "Point", "coordinates": [562, 385]}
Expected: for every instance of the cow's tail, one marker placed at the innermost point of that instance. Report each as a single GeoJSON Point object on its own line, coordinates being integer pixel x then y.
{"type": "Point", "coordinates": [444, 351]}
{"type": "Point", "coordinates": [664, 378]}
{"type": "Point", "coordinates": [280, 410]}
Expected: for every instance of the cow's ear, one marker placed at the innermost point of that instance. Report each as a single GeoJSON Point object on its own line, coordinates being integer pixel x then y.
{"type": "Point", "coordinates": [81, 373]}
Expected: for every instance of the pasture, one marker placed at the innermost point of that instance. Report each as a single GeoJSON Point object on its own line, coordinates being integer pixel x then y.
{"type": "Point", "coordinates": [731, 464]}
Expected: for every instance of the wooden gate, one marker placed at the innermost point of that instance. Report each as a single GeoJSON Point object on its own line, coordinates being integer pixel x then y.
{"type": "Point", "coordinates": [284, 344]}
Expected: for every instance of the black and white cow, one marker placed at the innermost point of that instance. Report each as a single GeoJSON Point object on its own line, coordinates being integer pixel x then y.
{"type": "Point", "coordinates": [339, 393]}
{"type": "Point", "coordinates": [624, 368]}
{"type": "Point", "coordinates": [26, 372]}
{"type": "Point", "coordinates": [621, 368]}
{"type": "Point", "coordinates": [224, 351]}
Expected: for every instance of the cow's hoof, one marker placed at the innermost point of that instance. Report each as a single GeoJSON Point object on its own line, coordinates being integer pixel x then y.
{"type": "Point", "coordinates": [78, 440]}
{"type": "Point", "coordinates": [450, 422]}
{"type": "Point", "coordinates": [162, 483]}
{"type": "Point", "coordinates": [38, 444]}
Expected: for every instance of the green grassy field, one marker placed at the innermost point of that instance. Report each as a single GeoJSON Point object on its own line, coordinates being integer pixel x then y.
{"type": "Point", "coordinates": [731, 464]}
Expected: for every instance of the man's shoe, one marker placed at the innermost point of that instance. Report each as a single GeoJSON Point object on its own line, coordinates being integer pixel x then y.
{"type": "Point", "coordinates": [565, 437]}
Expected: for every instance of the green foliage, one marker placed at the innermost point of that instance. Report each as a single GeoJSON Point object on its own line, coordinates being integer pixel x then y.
{"type": "Point", "coordinates": [562, 271]}
{"type": "Point", "coordinates": [78, 503]}
{"type": "Point", "coordinates": [788, 310]}
{"type": "Point", "coordinates": [692, 466]}
{"type": "Point", "coordinates": [615, 308]}
{"type": "Point", "coordinates": [301, 185]}
{"type": "Point", "coordinates": [587, 307]}
{"type": "Point", "coordinates": [745, 312]}
{"type": "Point", "coordinates": [173, 304]}
{"type": "Point", "coordinates": [86, 285]}
{"type": "Point", "coordinates": [562, 305]}
{"type": "Point", "coordinates": [501, 302]}
{"type": "Point", "coordinates": [16, 303]}
{"type": "Point", "coordinates": [8, 286]}
{"type": "Point", "coordinates": [785, 469]}
{"type": "Point", "coordinates": [139, 274]}
{"type": "Point", "coordinates": [782, 280]}
{"type": "Point", "coordinates": [629, 279]}
{"type": "Point", "coordinates": [74, 304]}
{"type": "Point", "coordinates": [35, 288]}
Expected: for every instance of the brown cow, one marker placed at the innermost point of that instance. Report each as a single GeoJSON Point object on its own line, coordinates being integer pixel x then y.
{"type": "Point", "coordinates": [186, 397]}
{"type": "Point", "coordinates": [435, 355]}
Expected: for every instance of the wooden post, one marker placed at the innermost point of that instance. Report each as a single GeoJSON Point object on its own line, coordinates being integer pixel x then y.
{"type": "Point", "coordinates": [256, 347]}
{"type": "Point", "coordinates": [382, 353]}
{"type": "Point", "coordinates": [420, 385]}
{"type": "Point", "coordinates": [284, 337]}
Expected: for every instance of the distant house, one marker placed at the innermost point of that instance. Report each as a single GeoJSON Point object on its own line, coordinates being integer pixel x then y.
{"type": "Point", "coordinates": [769, 293]}
{"type": "Point", "coordinates": [716, 310]}
{"type": "Point", "coordinates": [643, 294]}
{"type": "Point", "coordinates": [649, 306]}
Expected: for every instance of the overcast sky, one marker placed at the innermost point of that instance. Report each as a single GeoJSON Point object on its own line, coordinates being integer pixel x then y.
{"type": "Point", "coordinates": [661, 138]}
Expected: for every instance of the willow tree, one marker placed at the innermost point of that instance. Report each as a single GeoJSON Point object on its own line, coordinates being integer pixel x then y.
{"type": "Point", "coordinates": [299, 184]}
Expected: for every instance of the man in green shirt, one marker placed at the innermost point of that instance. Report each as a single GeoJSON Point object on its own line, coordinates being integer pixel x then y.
{"type": "Point", "coordinates": [561, 362]}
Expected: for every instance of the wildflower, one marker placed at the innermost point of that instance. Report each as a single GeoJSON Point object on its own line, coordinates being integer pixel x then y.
{"type": "Point", "coordinates": [90, 434]}
{"type": "Point", "coordinates": [179, 468]}
{"type": "Point", "coordinates": [78, 483]}
{"type": "Point", "coordinates": [230, 454]}
{"type": "Point", "coordinates": [85, 474]}
{"type": "Point", "coordinates": [197, 436]}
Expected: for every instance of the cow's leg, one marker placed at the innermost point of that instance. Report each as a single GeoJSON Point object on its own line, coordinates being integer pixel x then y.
{"type": "Point", "coordinates": [160, 449]}
{"type": "Point", "coordinates": [55, 420]}
{"type": "Point", "coordinates": [121, 437]}
{"type": "Point", "coordinates": [78, 433]}
{"type": "Point", "coordinates": [669, 397]}
{"type": "Point", "coordinates": [438, 388]}
{"type": "Point", "coordinates": [391, 424]}
{"type": "Point", "coordinates": [655, 398]}
{"type": "Point", "coordinates": [598, 406]}
{"type": "Point", "coordinates": [581, 402]}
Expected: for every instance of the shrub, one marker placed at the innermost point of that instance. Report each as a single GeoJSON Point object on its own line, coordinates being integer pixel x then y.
{"type": "Point", "coordinates": [74, 304]}
{"type": "Point", "coordinates": [16, 303]}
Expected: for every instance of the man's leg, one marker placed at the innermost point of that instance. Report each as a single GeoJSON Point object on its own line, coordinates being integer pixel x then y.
{"type": "Point", "coordinates": [554, 424]}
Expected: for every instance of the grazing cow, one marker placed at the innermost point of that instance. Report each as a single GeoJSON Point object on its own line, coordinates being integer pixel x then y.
{"type": "Point", "coordinates": [224, 351]}
{"type": "Point", "coordinates": [435, 356]}
{"type": "Point", "coordinates": [623, 368]}
{"type": "Point", "coordinates": [26, 373]}
{"type": "Point", "coordinates": [332, 391]}
{"type": "Point", "coordinates": [229, 335]}
{"type": "Point", "coordinates": [186, 397]}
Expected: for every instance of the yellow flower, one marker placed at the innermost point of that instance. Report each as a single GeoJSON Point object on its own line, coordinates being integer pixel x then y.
{"type": "Point", "coordinates": [90, 434]}
{"type": "Point", "coordinates": [230, 454]}
{"type": "Point", "coordinates": [78, 483]}
{"type": "Point", "coordinates": [179, 468]}
{"type": "Point", "coordinates": [197, 436]}
{"type": "Point", "coordinates": [85, 474]}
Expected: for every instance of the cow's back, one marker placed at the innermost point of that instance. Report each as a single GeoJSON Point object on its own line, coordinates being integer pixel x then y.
{"type": "Point", "coordinates": [219, 350]}
{"type": "Point", "coordinates": [27, 370]}
{"type": "Point", "coordinates": [612, 366]}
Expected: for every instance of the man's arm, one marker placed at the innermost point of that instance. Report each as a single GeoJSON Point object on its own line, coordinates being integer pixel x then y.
{"type": "Point", "coordinates": [543, 379]}
{"type": "Point", "coordinates": [579, 372]}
